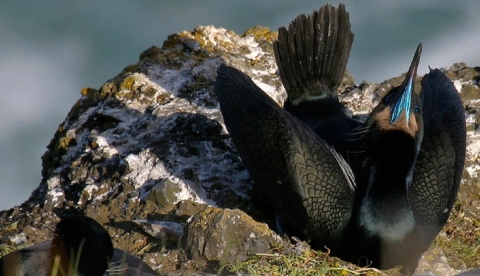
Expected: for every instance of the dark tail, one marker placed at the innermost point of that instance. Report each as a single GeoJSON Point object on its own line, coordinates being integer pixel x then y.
{"type": "Point", "coordinates": [313, 53]}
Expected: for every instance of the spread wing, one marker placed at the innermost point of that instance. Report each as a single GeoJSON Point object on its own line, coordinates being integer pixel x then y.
{"type": "Point", "coordinates": [304, 180]}
{"type": "Point", "coordinates": [440, 162]}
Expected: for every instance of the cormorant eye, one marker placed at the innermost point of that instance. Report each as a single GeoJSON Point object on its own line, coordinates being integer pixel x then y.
{"type": "Point", "coordinates": [387, 98]}
{"type": "Point", "coordinates": [417, 109]}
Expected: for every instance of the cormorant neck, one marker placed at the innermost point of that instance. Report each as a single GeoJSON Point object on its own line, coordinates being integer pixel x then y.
{"type": "Point", "coordinates": [385, 210]}
{"type": "Point", "coordinates": [390, 161]}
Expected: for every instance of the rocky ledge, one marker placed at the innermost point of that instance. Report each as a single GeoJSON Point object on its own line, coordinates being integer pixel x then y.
{"type": "Point", "coordinates": [148, 156]}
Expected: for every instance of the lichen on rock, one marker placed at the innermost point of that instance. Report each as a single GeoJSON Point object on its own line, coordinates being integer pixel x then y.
{"type": "Point", "coordinates": [225, 236]}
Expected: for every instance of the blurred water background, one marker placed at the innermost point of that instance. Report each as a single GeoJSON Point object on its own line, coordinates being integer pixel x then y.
{"type": "Point", "coordinates": [50, 50]}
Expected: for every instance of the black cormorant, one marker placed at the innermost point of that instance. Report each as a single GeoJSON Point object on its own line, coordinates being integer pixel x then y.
{"type": "Point", "coordinates": [79, 245]}
{"type": "Point", "coordinates": [378, 191]}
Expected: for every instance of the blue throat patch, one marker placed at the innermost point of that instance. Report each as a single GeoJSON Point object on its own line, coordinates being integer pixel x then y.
{"type": "Point", "coordinates": [403, 104]}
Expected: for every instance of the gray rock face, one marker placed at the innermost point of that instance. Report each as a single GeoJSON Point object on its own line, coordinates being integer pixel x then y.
{"type": "Point", "coordinates": [150, 145]}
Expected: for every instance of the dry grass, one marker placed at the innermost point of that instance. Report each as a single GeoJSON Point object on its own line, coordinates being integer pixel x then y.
{"type": "Point", "coordinates": [300, 260]}
{"type": "Point", "coordinates": [461, 239]}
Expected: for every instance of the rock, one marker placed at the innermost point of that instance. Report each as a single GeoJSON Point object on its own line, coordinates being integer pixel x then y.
{"type": "Point", "coordinates": [167, 232]}
{"type": "Point", "coordinates": [124, 264]}
{"type": "Point", "coordinates": [473, 272]}
{"type": "Point", "coordinates": [225, 236]}
{"type": "Point", "coordinates": [434, 261]}
{"type": "Point", "coordinates": [151, 145]}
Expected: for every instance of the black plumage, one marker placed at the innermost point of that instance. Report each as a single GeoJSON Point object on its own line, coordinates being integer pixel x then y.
{"type": "Point", "coordinates": [305, 181]}
{"type": "Point", "coordinates": [384, 221]}
{"type": "Point", "coordinates": [80, 246]}
{"type": "Point", "coordinates": [378, 191]}
{"type": "Point", "coordinates": [312, 56]}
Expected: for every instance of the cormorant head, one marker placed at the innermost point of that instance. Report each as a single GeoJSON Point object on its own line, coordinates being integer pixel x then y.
{"type": "Point", "coordinates": [400, 109]}
{"type": "Point", "coordinates": [395, 127]}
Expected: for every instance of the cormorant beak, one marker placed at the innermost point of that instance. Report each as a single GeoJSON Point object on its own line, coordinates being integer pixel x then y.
{"type": "Point", "coordinates": [402, 102]}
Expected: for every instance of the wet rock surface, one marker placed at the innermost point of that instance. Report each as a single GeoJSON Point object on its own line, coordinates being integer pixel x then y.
{"type": "Point", "coordinates": [148, 153]}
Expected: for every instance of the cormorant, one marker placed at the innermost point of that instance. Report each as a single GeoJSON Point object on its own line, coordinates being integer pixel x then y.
{"type": "Point", "coordinates": [378, 191]}
{"type": "Point", "coordinates": [75, 235]}
{"type": "Point", "coordinates": [80, 246]}
{"type": "Point", "coordinates": [414, 157]}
